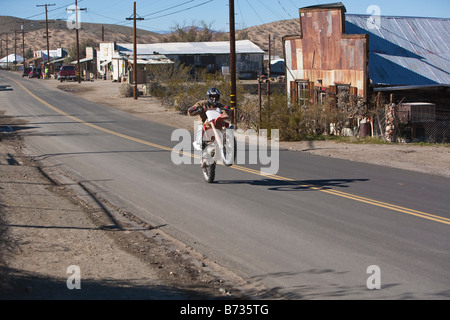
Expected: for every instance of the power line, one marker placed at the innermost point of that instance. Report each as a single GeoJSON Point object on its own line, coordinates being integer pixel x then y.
{"type": "Point", "coordinates": [186, 9]}
{"type": "Point", "coordinates": [242, 16]}
{"type": "Point", "coordinates": [284, 9]}
{"type": "Point", "coordinates": [106, 17]}
{"type": "Point", "coordinates": [171, 13]}
{"type": "Point", "coordinates": [271, 10]}
{"type": "Point", "coordinates": [39, 14]}
{"type": "Point", "coordinates": [255, 11]}
{"type": "Point", "coordinates": [178, 5]}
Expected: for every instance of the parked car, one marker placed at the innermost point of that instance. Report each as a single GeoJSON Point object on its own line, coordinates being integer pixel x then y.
{"type": "Point", "coordinates": [26, 72]}
{"type": "Point", "coordinates": [67, 73]}
{"type": "Point", "coordinates": [35, 73]}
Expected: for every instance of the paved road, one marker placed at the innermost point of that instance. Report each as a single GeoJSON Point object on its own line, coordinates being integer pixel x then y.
{"type": "Point", "coordinates": [313, 231]}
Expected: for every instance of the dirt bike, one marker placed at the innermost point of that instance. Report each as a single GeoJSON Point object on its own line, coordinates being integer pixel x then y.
{"type": "Point", "coordinates": [219, 142]}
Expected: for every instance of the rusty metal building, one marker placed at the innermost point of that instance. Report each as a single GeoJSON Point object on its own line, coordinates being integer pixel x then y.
{"type": "Point", "coordinates": [324, 58]}
{"type": "Point", "coordinates": [403, 58]}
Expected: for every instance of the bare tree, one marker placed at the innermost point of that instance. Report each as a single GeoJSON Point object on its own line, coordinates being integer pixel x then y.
{"type": "Point", "coordinates": [193, 33]}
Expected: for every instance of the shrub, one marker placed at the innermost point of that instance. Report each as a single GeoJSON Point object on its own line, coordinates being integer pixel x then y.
{"type": "Point", "coordinates": [126, 90]}
{"type": "Point", "coordinates": [180, 87]}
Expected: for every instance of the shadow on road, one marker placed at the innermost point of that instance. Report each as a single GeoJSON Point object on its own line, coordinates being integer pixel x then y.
{"type": "Point", "coordinates": [296, 185]}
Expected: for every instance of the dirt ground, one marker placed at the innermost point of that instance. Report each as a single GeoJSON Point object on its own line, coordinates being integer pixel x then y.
{"type": "Point", "coordinates": [47, 223]}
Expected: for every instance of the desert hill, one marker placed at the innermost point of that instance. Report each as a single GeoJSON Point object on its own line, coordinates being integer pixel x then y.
{"type": "Point", "coordinates": [277, 30]}
{"type": "Point", "coordinates": [63, 37]}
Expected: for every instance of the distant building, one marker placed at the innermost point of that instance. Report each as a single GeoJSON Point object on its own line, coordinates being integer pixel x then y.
{"type": "Point", "coordinates": [115, 63]}
{"type": "Point", "coordinates": [9, 60]}
{"type": "Point", "coordinates": [54, 54]}
{"type": "Point", "coordinates": [40, 57]}
{"type": "Point", "coordinates": [212, 56]}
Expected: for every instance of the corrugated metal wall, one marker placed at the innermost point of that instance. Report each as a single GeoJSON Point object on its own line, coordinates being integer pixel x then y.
{"type": "Point", "coordinates": [323, 52]}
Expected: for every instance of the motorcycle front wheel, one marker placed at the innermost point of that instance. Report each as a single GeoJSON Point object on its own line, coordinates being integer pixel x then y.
{"type": "Point", "coordinates": [209, 172]}
{"type": "Point", "coordinates": [229, 149]}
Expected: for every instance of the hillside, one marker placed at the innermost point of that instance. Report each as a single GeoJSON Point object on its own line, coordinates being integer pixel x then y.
{"type": "Point", "coordinates": [277, 30]}
{"type": "Point", "coordinates": [62, 37]}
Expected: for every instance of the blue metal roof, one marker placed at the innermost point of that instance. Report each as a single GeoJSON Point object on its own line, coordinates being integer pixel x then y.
{"type": "Point", "coordinates": [405, 50]}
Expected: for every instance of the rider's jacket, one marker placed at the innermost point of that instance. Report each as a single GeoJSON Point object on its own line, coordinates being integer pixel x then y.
{"type": "Point", "coordinates": [201, 107]}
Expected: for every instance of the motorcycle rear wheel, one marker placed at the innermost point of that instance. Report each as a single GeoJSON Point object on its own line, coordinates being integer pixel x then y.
{"type": "Point", "coordinates": [209, 172]}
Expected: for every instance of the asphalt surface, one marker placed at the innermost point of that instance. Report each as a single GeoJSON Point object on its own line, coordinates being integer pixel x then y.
{"type": "Point", "coordinates": [312, 231]}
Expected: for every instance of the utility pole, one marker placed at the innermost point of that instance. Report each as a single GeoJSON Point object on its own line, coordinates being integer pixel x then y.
{"type": "Point", "coordinates": [23, 44]}
{"type": "Point", "coordinates": [232, 62]}
{"type": "Point", "coordinates": [22, 28]}
{"type": "Point", "coordinates": [7, 53]}
{"type": "Point", "coordinates": [46, 27]}
{"type": "Point", "coordinates": [270, 59]}
{"type": "Point", "coordinates": [269, 71]}
{"type": "Point", "coordinates": [78, 42]}
{"type": "Point", "coordinates": [77, 27]}
{"type": "Point", "coordinates": [135, 92]}
{"type": "Point", "coordinates": [103, 33]}
{"type": "Point", "coordinates": [15, 47]}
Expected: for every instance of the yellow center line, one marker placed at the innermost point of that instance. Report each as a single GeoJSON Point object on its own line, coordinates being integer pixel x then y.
{"type": "Point", "coordinates": [353, 197]}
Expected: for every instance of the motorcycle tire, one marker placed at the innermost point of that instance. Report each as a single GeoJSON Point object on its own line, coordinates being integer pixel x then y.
{"type": "Point", "coordinates": [227, 148]}
{"type": "Point", "coordinates": [209, 173]}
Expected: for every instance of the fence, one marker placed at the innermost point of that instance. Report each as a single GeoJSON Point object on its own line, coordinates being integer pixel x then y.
{"type": "Point", "coordinates": [402, 125]}
{"type": "Point", "coordinates": [439, 130]}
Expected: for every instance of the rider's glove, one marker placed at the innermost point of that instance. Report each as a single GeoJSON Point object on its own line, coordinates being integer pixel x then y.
{"type": "Point", "coordinates": [192, 110]}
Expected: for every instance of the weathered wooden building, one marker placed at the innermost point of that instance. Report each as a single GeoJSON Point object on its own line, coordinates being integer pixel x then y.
{"type": "Point", "coordinates": [325, 59]}
{"type": "Point", "coordinates": [404, 59]}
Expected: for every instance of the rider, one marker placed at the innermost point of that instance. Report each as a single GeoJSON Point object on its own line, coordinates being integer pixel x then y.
{"type": "Point", "coordinates": [200, 108]}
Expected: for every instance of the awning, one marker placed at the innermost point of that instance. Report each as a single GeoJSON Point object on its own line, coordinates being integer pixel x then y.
{"type": "Point", "coordinates": [33, 59]}
{"type": "Point", "coordinates": [82, 60]}
{"type": "Point", "coordinates": [57, 60]}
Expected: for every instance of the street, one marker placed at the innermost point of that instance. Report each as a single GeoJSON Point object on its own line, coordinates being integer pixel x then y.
{"type": "Point", "coordinates": [315, 230]}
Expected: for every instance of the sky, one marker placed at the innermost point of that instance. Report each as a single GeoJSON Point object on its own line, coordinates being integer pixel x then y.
{"type": "Point", "coordinates": [162, 16]}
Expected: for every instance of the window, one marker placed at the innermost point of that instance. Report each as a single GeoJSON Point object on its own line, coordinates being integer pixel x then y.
{"type": "Point", "coordinates": [187, 60]}
{"type": "Point", "coordinates": [343, 95]}
{"type": "Point", "coordinates": [70, 68]}
{"type": "Point", "coordinates": [205, 60]}
{"type": "Point", "coordinates": [342, 88]}
{"type": "Point", "coordinates": [303, 92]}
{"type": "Point", "coordinates": [320, 95]}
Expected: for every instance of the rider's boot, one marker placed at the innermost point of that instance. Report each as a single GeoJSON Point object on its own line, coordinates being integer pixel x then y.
{"type": "Point", "coordinates": [198, 139]}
